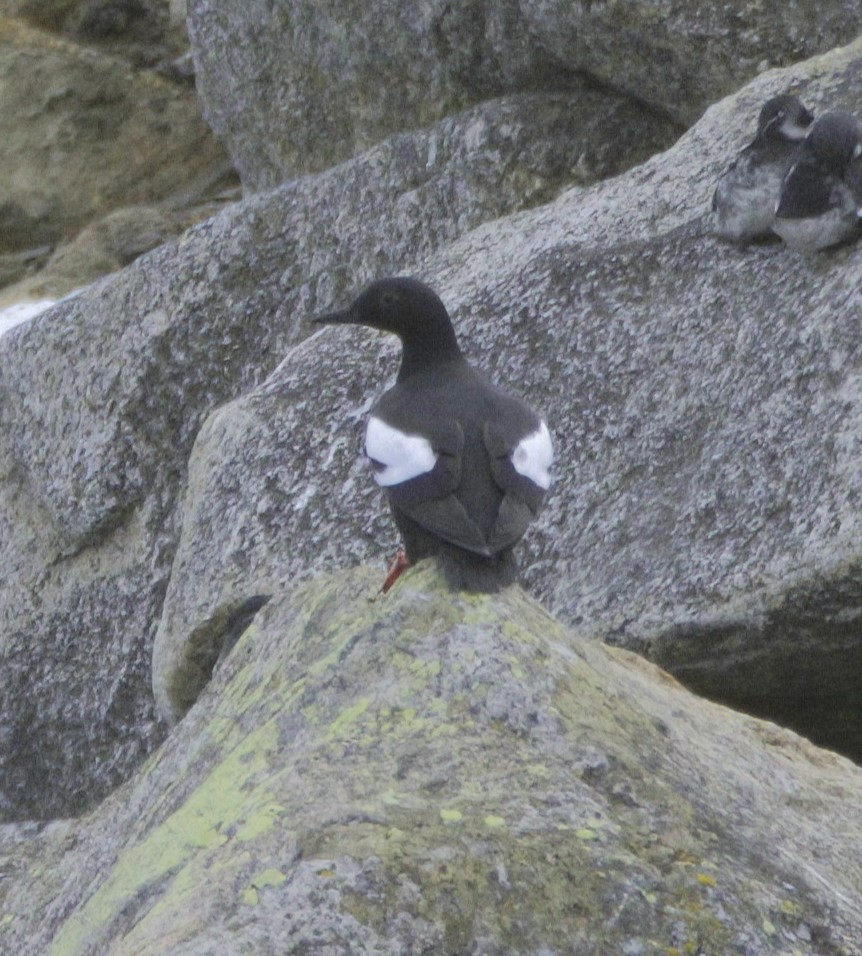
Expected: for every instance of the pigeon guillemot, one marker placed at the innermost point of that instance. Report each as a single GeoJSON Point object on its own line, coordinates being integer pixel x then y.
{"type": "Point", "coordinates": [464, 464]}
{"type": "Point", "coordinates": [745, 197]}
{"type": "Point", "coordinates": [821, 196]}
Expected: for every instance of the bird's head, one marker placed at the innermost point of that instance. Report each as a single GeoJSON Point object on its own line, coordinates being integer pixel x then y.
{"type": "Point", "coordinates": [406, 307]}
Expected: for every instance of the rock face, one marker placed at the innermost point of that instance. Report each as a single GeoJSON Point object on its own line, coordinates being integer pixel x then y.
{"type": "Point", "coordinates": [95, 138]}
{"type": "Point", "coordinates": [446, 774]}
{"type": "Point", "coordinates": [102, 247]}
{"type": "Point", "coordinates": [145, 19]}
{"type": "Point", "coordinates": [295, 85]}
{"type": "Point", "coordinates": [704, 401]}
{"type": "Point", "coordinates": [101, 401]}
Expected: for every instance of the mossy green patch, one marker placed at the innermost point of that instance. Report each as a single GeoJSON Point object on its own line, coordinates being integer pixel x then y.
{"type": "Point", "coordinates": [424, 669]}
{"type": "Point", "coordinates": [258, 823]}
{"type": "Point", "coordinates": [272, 876]}
{"type": "Point", "coordinates": [335, 656]}
{"type": "Point", "coordinates": [228, 803]}
{"type": "Point", "coordinates": [527, 892]}
{"type": "Point", "coordinates": [348, 717]}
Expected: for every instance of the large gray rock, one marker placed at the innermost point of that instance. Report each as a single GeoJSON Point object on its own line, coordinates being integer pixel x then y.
{"type": "Point", "coordinates": [95, 138]}
{"type": "Point", "coordinates": [295, 85]}
{"type": "Point", "coordinates": [448, 774]}
{"type": "Point", "coordinates": [706, 408]}
{"type": "Point", "coordinates": [101, 399]}
{"type": "Point", "coordinates": [684, 56]}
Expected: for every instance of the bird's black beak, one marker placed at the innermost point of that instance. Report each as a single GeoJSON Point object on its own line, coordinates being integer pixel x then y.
{"type": "Point", "coordinates": [343, 317]}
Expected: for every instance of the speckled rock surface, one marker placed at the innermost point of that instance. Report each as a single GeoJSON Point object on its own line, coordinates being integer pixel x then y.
{"type": "Point", "coordinates": [683, 55]}
{"type": "Point", "coordinates": [100, 401]}
{"type": "Point", "coordinates": [439, 774]}
{"type": "Point", "coordinates": [295, 85]}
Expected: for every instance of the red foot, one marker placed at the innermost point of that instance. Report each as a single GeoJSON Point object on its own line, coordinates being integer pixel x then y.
{"type": "Point", "coordinates": [395, 569]}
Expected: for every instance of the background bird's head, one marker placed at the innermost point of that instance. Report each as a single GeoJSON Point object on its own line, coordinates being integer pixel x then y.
{"type": "Point", "coordinates": [835, 141]}
{"type": "Point", "coordinates": [785, 117]}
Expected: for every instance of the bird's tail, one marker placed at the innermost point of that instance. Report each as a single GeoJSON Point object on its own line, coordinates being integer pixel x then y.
{"type": "Point", "coordinates": [465, 571]}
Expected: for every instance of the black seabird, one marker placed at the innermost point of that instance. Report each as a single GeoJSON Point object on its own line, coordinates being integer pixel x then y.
{"type": "Point", "coordinates": [464, 464]}
{"type": "Point", "coordinates": [821, 197]}
{"type": "Point", "coordinates": [745, 197]}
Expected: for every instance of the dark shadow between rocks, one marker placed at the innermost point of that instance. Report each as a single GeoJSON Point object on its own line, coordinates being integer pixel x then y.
{"type": "Point", "coordinates": [206, 646]}
{"type": "Point", "coordinates": [799, 666]}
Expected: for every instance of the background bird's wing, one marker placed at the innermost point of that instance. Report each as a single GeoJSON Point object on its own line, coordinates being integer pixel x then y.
{"type": "Point", "coordinates": [806, 191]}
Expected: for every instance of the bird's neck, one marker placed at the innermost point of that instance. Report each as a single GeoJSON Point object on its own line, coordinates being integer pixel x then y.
{"type": "Point", "coordinates": [421, 353]}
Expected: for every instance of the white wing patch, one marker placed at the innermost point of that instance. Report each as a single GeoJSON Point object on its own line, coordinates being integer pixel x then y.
{"type": "Point", "coordinates": [792, 130]}
{"type": "Point", "coordinates": [398, 456]}
{"type": "Point", "coordinates": [534, 455]}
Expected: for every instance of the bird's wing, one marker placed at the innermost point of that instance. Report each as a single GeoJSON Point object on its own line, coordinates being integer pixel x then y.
{"type": "Point", "coordinates": [420, 474]}
{"type": "Point", "coordinates": [520, 466]}
{"type": "Point", "coordinates": [806, 191]}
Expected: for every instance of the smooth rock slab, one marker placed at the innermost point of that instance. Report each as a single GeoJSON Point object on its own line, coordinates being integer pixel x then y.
{"type": "Point", "coordinates": [444, 774]}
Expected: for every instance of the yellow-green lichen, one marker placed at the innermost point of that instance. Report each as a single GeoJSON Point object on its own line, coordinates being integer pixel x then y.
{"type": "Point", "coordinates": [345, 721]}
{"type": "Point", "coordinates": [269, 877]}
{"type": "Point", "coordinates": [227, 798]}
{"type": "Point", "coordinates": [424, 669]}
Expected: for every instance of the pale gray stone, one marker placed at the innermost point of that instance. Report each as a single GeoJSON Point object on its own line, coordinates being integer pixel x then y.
{"type": "Point", "coordinates": [347, 785]}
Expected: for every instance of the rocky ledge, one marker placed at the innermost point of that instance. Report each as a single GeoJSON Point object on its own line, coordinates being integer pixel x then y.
{"type": "Point", "coordinates": [427, 773]}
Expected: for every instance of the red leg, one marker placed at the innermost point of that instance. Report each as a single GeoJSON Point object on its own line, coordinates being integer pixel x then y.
{"type": "Point", "coordinates": [395, 569]}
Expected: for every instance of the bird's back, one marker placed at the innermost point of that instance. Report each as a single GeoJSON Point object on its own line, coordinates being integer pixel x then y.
{"type": "Point", "coordinates": [458, 396]}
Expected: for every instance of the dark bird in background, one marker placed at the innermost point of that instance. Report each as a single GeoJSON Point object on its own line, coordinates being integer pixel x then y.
{"type": "Point", "coordinates": [821, 197]}
{"type": "Point", "coordinates": [464, 464]}
{"type": "Point", "coordinates": [745, 197]}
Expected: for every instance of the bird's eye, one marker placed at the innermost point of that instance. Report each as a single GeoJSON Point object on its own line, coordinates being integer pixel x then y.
{"type": "Point", "coordinates": [388, 299]}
